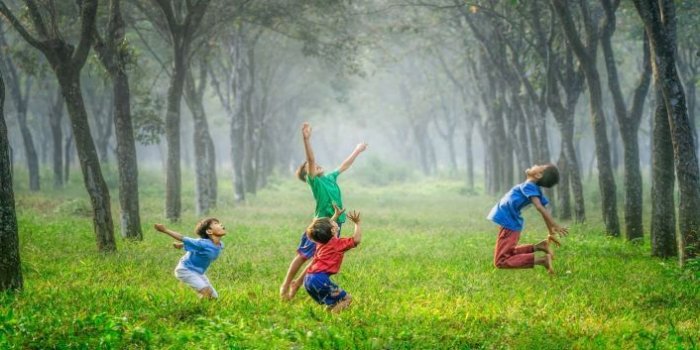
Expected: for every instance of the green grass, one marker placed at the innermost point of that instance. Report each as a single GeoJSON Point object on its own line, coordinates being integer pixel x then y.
{"type": "Point", "coordinates": [421, 279]}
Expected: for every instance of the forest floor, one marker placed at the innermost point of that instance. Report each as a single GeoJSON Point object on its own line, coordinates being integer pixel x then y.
{"type": "Point", "coordinates": [421, 279]}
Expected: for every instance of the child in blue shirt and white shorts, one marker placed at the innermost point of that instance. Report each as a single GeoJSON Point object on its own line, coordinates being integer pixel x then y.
{"type": "Point", "coordinates": [200, 253]}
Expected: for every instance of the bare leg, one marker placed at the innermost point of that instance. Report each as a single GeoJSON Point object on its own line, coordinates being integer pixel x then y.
{"type": "Point", "coordinates": [545, 261]}
{"type": "Point", "coordinates": [545, 247]}
{"type": "Point", "coordinates": [294, 267]}
{"type": "Point", "coordinates": [341, 305]}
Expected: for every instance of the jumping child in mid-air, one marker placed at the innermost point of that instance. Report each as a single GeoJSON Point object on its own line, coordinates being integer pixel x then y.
{"type": "Point", "coordinates": [326, 193]}
{"type": "Point", "coordinates": [327, 260]}
{"type": "Point", "coordinates": [200, 254]}
{"type": "Point", "coordinates": [506, 213]}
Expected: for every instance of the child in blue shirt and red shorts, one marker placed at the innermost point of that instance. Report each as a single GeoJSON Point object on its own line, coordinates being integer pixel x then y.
{"type": "Point", "coordinates": [327, 259]}
{"type": "Point", "coordinates": [506, 213]}
{"type": "Point", "coordinates": [200, 253]}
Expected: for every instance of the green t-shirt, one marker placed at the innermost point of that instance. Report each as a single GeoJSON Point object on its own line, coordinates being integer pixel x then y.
{"type": "Point", "coordinates": [326, 193]}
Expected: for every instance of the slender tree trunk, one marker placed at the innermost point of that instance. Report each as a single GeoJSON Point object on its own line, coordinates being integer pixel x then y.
{"type": "Point", "coordinates": [205, 173]}
{"type": "Point", "coordinates": [663, 213]}
{"type": "Point", "coordinates": [563, 188]}
{"type": "Point", "coordinates": [628, 123]}
{"type": "Point", "coordinates": [67, 152]}
{"type": "Point", "coordinates": [55, 118]}
{"type": "Point", "coordinates": [10, 264]}
{"type": "Point", "coordinates": [69, 79]}
{"type": "Point", "coordinates": [173, 181]}
{"type": "Point", "coordinates": [586, 56]}
{"type": "Point", "coordinates": [126, 157]}
{"type": "Point", "coordinates": [29, 149]}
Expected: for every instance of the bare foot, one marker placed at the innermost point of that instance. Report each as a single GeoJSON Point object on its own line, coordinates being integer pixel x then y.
{"type": "Point", "coordinates": [284, 292]}
{"type": "Point", "coordinates": [293, 289]}
{"type": "Point", "coordinates": [544, 246]}
{"type": "Point", "coordinates": [548, 263]}
{"type": "Point", "coordinates": [341, 305]}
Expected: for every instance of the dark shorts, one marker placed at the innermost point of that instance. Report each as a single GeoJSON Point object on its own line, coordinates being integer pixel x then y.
{"type": "Point", "coordinates": [307, 247]}
{"type": "Point", "coordinates": [322, 289]}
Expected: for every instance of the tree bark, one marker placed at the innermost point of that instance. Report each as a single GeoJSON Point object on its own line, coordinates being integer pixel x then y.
{"type": "Point", "coordinates": [114, 58]}
{"type": "Point", "coordinates": [663, 213]}
{"type": "Point", "coordinates": [66, 61]}
{"type": "Point", "coordinates": [10, 264]}
{"type": "Point", "coordinates": [69, 79]}
{"type": "Point", "coordinates": [659, 19]}
{"type": "Point", "coordinates": [205, 171]}
{"type": "Point", "coordinates": [628, 122]}
{"type": "Point", "coordinates": [20, 96]}
{"type": "Point", "coordinates": [586, 56]}
{"type": "Point", "coordinates": [55, 118]}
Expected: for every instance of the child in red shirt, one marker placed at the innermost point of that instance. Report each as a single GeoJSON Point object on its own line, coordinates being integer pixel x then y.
{"type": "Point", "coordinates": [328, 258]}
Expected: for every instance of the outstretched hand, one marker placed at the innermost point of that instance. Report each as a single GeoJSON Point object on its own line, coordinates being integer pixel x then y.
{"type": "Point", "coordinates": [159, 227]}
{"type": "Point", "coordinates": [361, 147]}
{"type": "Point", "coordinates": [178, 245]}
{"type": "Point", "coordinates": [354, 216]}
{"type": "Point", "coordinates": [306, 130]}
{"type": "Point", "coordinates": [552, 239]}
{"type": "Point", "coordinates": [337, 211]}
{"type": "Point", "coordinates": [562, 231]}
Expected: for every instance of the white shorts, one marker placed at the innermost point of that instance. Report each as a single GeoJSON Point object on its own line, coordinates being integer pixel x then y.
{"type": "Point", "coordinates": [193, 279]}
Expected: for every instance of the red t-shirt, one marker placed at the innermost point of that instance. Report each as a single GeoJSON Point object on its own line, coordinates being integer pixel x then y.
{"type": "Point", "coordinates": [329, 256]}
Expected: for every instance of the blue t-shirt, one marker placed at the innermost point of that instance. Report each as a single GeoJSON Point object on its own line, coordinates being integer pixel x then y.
{"type": "Point", "coordinates": [507, 211]}
{"type": "Point", "coordinates": [200, 253]}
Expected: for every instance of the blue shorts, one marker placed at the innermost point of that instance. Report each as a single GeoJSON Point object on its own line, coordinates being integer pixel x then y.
{"type": "Point", "coordinates": [307, 247]}
{"type": "Point", "coordinates": [322, 289]}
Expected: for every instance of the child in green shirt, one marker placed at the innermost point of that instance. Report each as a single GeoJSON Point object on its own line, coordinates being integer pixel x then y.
{"type": "Point", "coordinates": [327, 194]}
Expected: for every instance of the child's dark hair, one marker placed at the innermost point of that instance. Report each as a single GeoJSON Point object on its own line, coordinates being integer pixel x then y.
{"type": "Point", "coordinates": [320, 230]}
{"type": "Point", "coordinates": [203, 225]}
{"type": "Point", "coordinates": [302, 171]}
{"type": "Point", "coordinates": [550, 176]}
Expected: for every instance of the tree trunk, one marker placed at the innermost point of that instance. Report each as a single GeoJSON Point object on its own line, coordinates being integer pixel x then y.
{"type": "Point", "coordinates": [55, 118]}
{"type": "Point", "coordinates": [68, 157]}
{"type": "Point", "coordinates": [205, 171]}
{"type": "Point", "coordinates": [586, 56]}
{"type": "Point", "coordinates": [10, 264]}
{"type": "Point", "coordinates": [659, 19]}
{"type": "Point", "coordinates": [663, 213]}
{"type": "Point", "coordinates": [628, 123]}
{"type": "Point", "coordinates": [69, 79]}
{"type": "Point", "coordinates": [563, 188]}
{"type": "Point", "coordinates": [173, 180]}
{"type": "Point", "coordinates": [126, 157]}
{"type": "Point", "coordinates": [29, 149]}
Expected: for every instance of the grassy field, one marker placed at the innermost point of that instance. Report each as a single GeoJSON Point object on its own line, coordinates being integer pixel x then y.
{"type": "Point", "coordinates": [421, 279]}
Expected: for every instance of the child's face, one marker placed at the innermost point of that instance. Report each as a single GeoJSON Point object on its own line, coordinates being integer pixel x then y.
{"type": "Point", "coordinates": [334, 228]}
{"type": "Point", "coordinates": [217, 229]}
{"type": "Point", "coordinates": [535, 171]}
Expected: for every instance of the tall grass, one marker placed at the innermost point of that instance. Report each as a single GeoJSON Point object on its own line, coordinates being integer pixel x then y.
{"type": "Point", "coordinates": [421, 279]}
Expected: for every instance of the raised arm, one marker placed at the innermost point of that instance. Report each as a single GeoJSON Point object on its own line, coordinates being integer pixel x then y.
{"type": "Point", "coordinates": [361, 147]}
{"type": "Point", "coordinates": [173, 234]}
{"type": "Point", "coordinates": [336, 212]}
{"type": "Point", "coordinates": [354, 216]}
{"type": "Point", "coordinates": [310, 160]}
{"type": "Point", "coordinates": [552, 226]}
